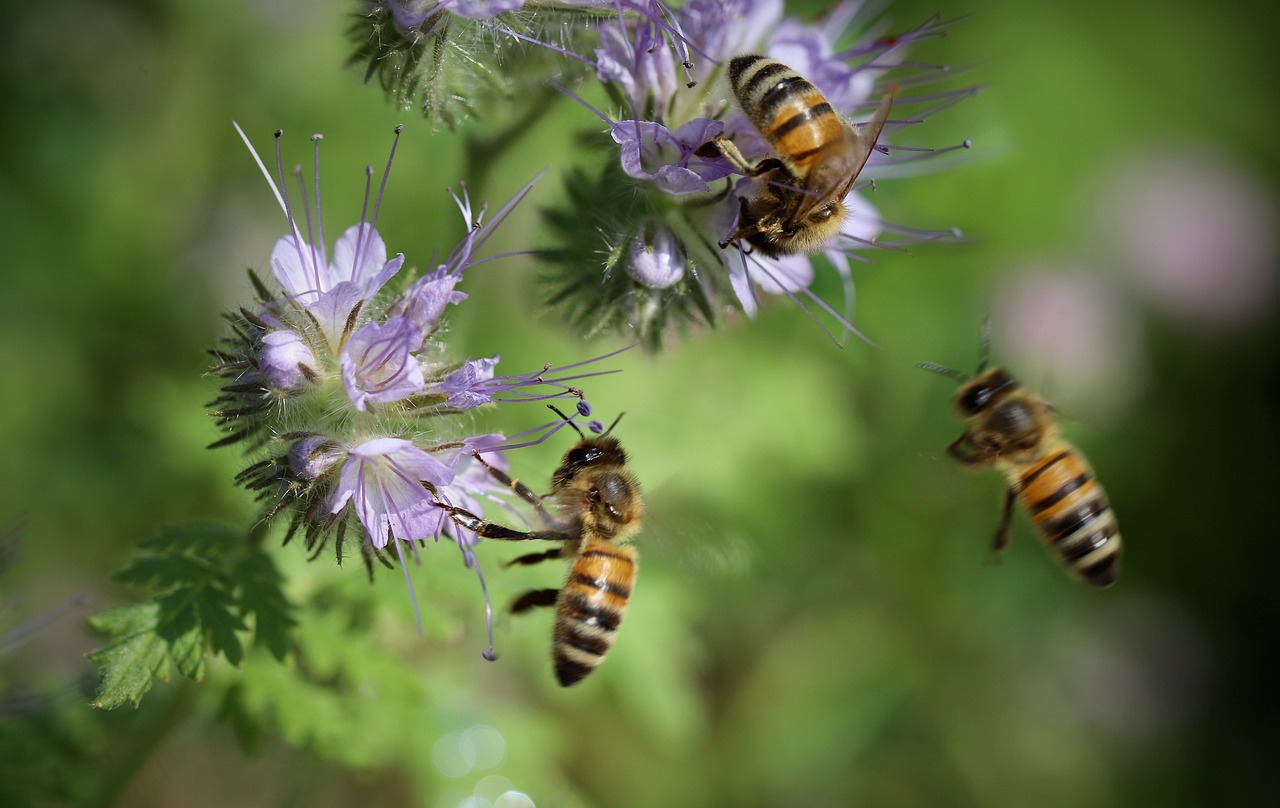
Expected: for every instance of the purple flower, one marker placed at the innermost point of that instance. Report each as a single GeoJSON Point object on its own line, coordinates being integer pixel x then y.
{"type": "Point", "coordinates": [726, 28]}
{"type": "Point", "coordinates": [383, 481]}
{"type": "Point", "coordinates": [479, 9]}
{"type": "Point", "coordinates": [424, 303]}
{"type": "Point", "coordinates": [651, 152]}
{"type": "Point", "coordinates": [468, 386]}
{"type": "Point", "coordinates": [378, 362]}
{"type": "Point", "coordinates": [634, 59]}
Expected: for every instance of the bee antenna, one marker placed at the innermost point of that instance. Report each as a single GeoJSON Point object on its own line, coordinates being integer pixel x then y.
{"type": "Point", "coordinates": [615, 423]}
{"type": "Point", "coordinates": [984, 337]}
{"type": "Point", "coordinates": [567, 420]}
{"type": "Point", "coordinates": [950, 373]}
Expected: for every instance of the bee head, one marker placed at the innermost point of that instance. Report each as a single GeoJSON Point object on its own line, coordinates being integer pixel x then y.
{"type": "Point", "coordinates": [586, 456]}
{"type": "Point", "coordinates": [978, 393]}
{"type": "Point", "coordinates": [590, 453]}
{"type": "Point", "coordinates": [809, 234]}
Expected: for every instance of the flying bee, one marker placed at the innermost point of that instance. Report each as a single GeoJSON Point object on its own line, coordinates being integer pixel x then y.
{"type": "Point", "coordinates": [601, 509]}
{"type": "Point", "coordinates": [1012, 429]}
{"type": "Point", "coordinates": [799, 206]}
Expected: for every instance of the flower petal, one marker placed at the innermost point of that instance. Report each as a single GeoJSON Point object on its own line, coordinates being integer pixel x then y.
{"type": "Point", "coordinates": [294, 266]}
{"type": "Point", "coordinates": [383, 480]}
{"type": "Point", "coordinates": [359, 256]}
{"type": "Point", "coordinates": [378, 362]}
{"type": "Point", "coordinates": [332, 310]}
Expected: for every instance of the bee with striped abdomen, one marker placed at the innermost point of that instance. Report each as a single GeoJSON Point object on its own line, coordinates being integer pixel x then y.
{"type": "Point", "coordinates": [600, 511]}
{"type": "Point", "coordinates": [1014, 430]}
{"type": "Point", "coordinates": [799, 203]}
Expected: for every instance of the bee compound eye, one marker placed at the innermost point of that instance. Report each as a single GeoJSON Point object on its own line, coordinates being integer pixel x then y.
{"type": "Point", "coordinates": [976, 399]}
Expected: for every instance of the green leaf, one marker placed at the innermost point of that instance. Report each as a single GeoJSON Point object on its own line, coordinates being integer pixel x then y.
{"type": "Point", "coordinates": [204, 587]}
{"type": "Point", "coordinates": [202, 539]}
{"type": "Point", "coordinates": [217, 611]}
{"type": "Point", "coordinates": [261, 596]}
{"type": "Point", "coordinates": [138, 655]}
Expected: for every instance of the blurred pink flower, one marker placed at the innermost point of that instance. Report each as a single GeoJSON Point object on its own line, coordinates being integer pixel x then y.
{"type": "Point", "coordinates": [1071, 335]}
{"type": "Point", "coordinates": [1198, 235]}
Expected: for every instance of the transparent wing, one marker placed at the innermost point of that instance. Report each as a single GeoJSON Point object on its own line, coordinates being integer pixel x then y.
{"type": "Point", "coordinates": [833, 178]}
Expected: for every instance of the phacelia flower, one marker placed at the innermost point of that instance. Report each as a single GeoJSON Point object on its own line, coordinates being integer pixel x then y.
{"type": "Point", "coordinates": [672, 189]}
{"type": "Point", "coordinates": [338, 384]}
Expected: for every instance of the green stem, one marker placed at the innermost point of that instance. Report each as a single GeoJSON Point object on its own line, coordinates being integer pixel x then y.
{"type": "Point", "coordinates": [483, 153]}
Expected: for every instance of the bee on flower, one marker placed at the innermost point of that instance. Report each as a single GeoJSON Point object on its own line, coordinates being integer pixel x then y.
{"type": "Point", "coordinates": [732, 180]}
{"type": "Point", "coordinates": [339, 386]}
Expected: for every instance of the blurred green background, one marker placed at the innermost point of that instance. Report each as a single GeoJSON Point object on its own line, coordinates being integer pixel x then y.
{"type": "Point", "coordinates": [818, 621]}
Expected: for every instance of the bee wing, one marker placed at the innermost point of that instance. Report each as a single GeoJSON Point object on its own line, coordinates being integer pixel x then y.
{"type": "Point", "coordinates": [835, 177]}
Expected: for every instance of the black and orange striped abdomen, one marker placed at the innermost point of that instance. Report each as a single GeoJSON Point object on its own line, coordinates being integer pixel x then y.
{"type": "Point", "coordinates": [591, 607]}
{"type": "Point", "coordinates": [791, 113]}
{"type": "Point", "coordinates": [1070, 509]}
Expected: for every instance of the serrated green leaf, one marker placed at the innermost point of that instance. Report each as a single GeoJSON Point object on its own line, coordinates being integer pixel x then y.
{"type": "Point", "coordinates": [181, 555]}
{"type": "Point", "coordinates": [138, 655]}
{"type": "Point", "coordinates": [203, 539]}
{"type": "Point", "coordinates": [196, 609]}
{"type": "Point", "coordinates": [187, 651]}
{"type": "Point", "coordinates": [261, 596]}
{"type": "Point", "coordinates": [161, 572]}
{"type": "Point", "coordinates": [217, 612]}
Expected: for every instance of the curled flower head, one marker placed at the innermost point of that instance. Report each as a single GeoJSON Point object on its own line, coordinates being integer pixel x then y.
{"type": "Point", "coordinates": [657, 261]}
{"type": "Point", "coordinates": [451, 58]}
{"type": "Point", "coordinates": [339, 386]}
{"type": "Point", "coordinates": [454, 58]}
{"type": "Point", "coordinates": [739, 207]}
{"type": "Point", "coordinates": [286, 361]}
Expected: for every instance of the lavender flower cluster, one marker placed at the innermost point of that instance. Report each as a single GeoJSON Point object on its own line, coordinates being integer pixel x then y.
{"type": "Point", "coordinates": [345, 388]}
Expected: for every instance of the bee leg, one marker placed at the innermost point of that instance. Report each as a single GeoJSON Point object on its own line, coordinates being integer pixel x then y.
{"type": "Point", "coordinates": [711, 148]}
{"type": "Point", "coordinates": [961, 449]}
{"type": "Point", "coordinates": [723, 147]}
{"type": "Point", "coordinates": [493, 530]}
{"type": "Point", "coordinates": [1006, 521]}
{"type": "Point", "coordinates": [740, 231]}
{"type": "Point", "coordinates": [535, 558]}
{"type": "Point", "coordinates": [533, 599]}
{"type": "Point", "coordinates": [521, 490]}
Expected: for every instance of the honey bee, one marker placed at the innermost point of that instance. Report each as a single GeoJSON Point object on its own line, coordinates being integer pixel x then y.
{"type": "Point", "coordinates": [601, 509]}
{"type": "Point", "coordinates": [1012, 429]}
{"type": "Point", "coordinates": [799, 206]}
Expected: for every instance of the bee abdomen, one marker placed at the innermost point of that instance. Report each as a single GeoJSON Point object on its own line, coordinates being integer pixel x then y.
{"type": "Point", "coordinates": [1072, 513]}
{"type": "Point", "coordinates": [787, 108]}
{"type": "Point", "coordinates": [591, 607]}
